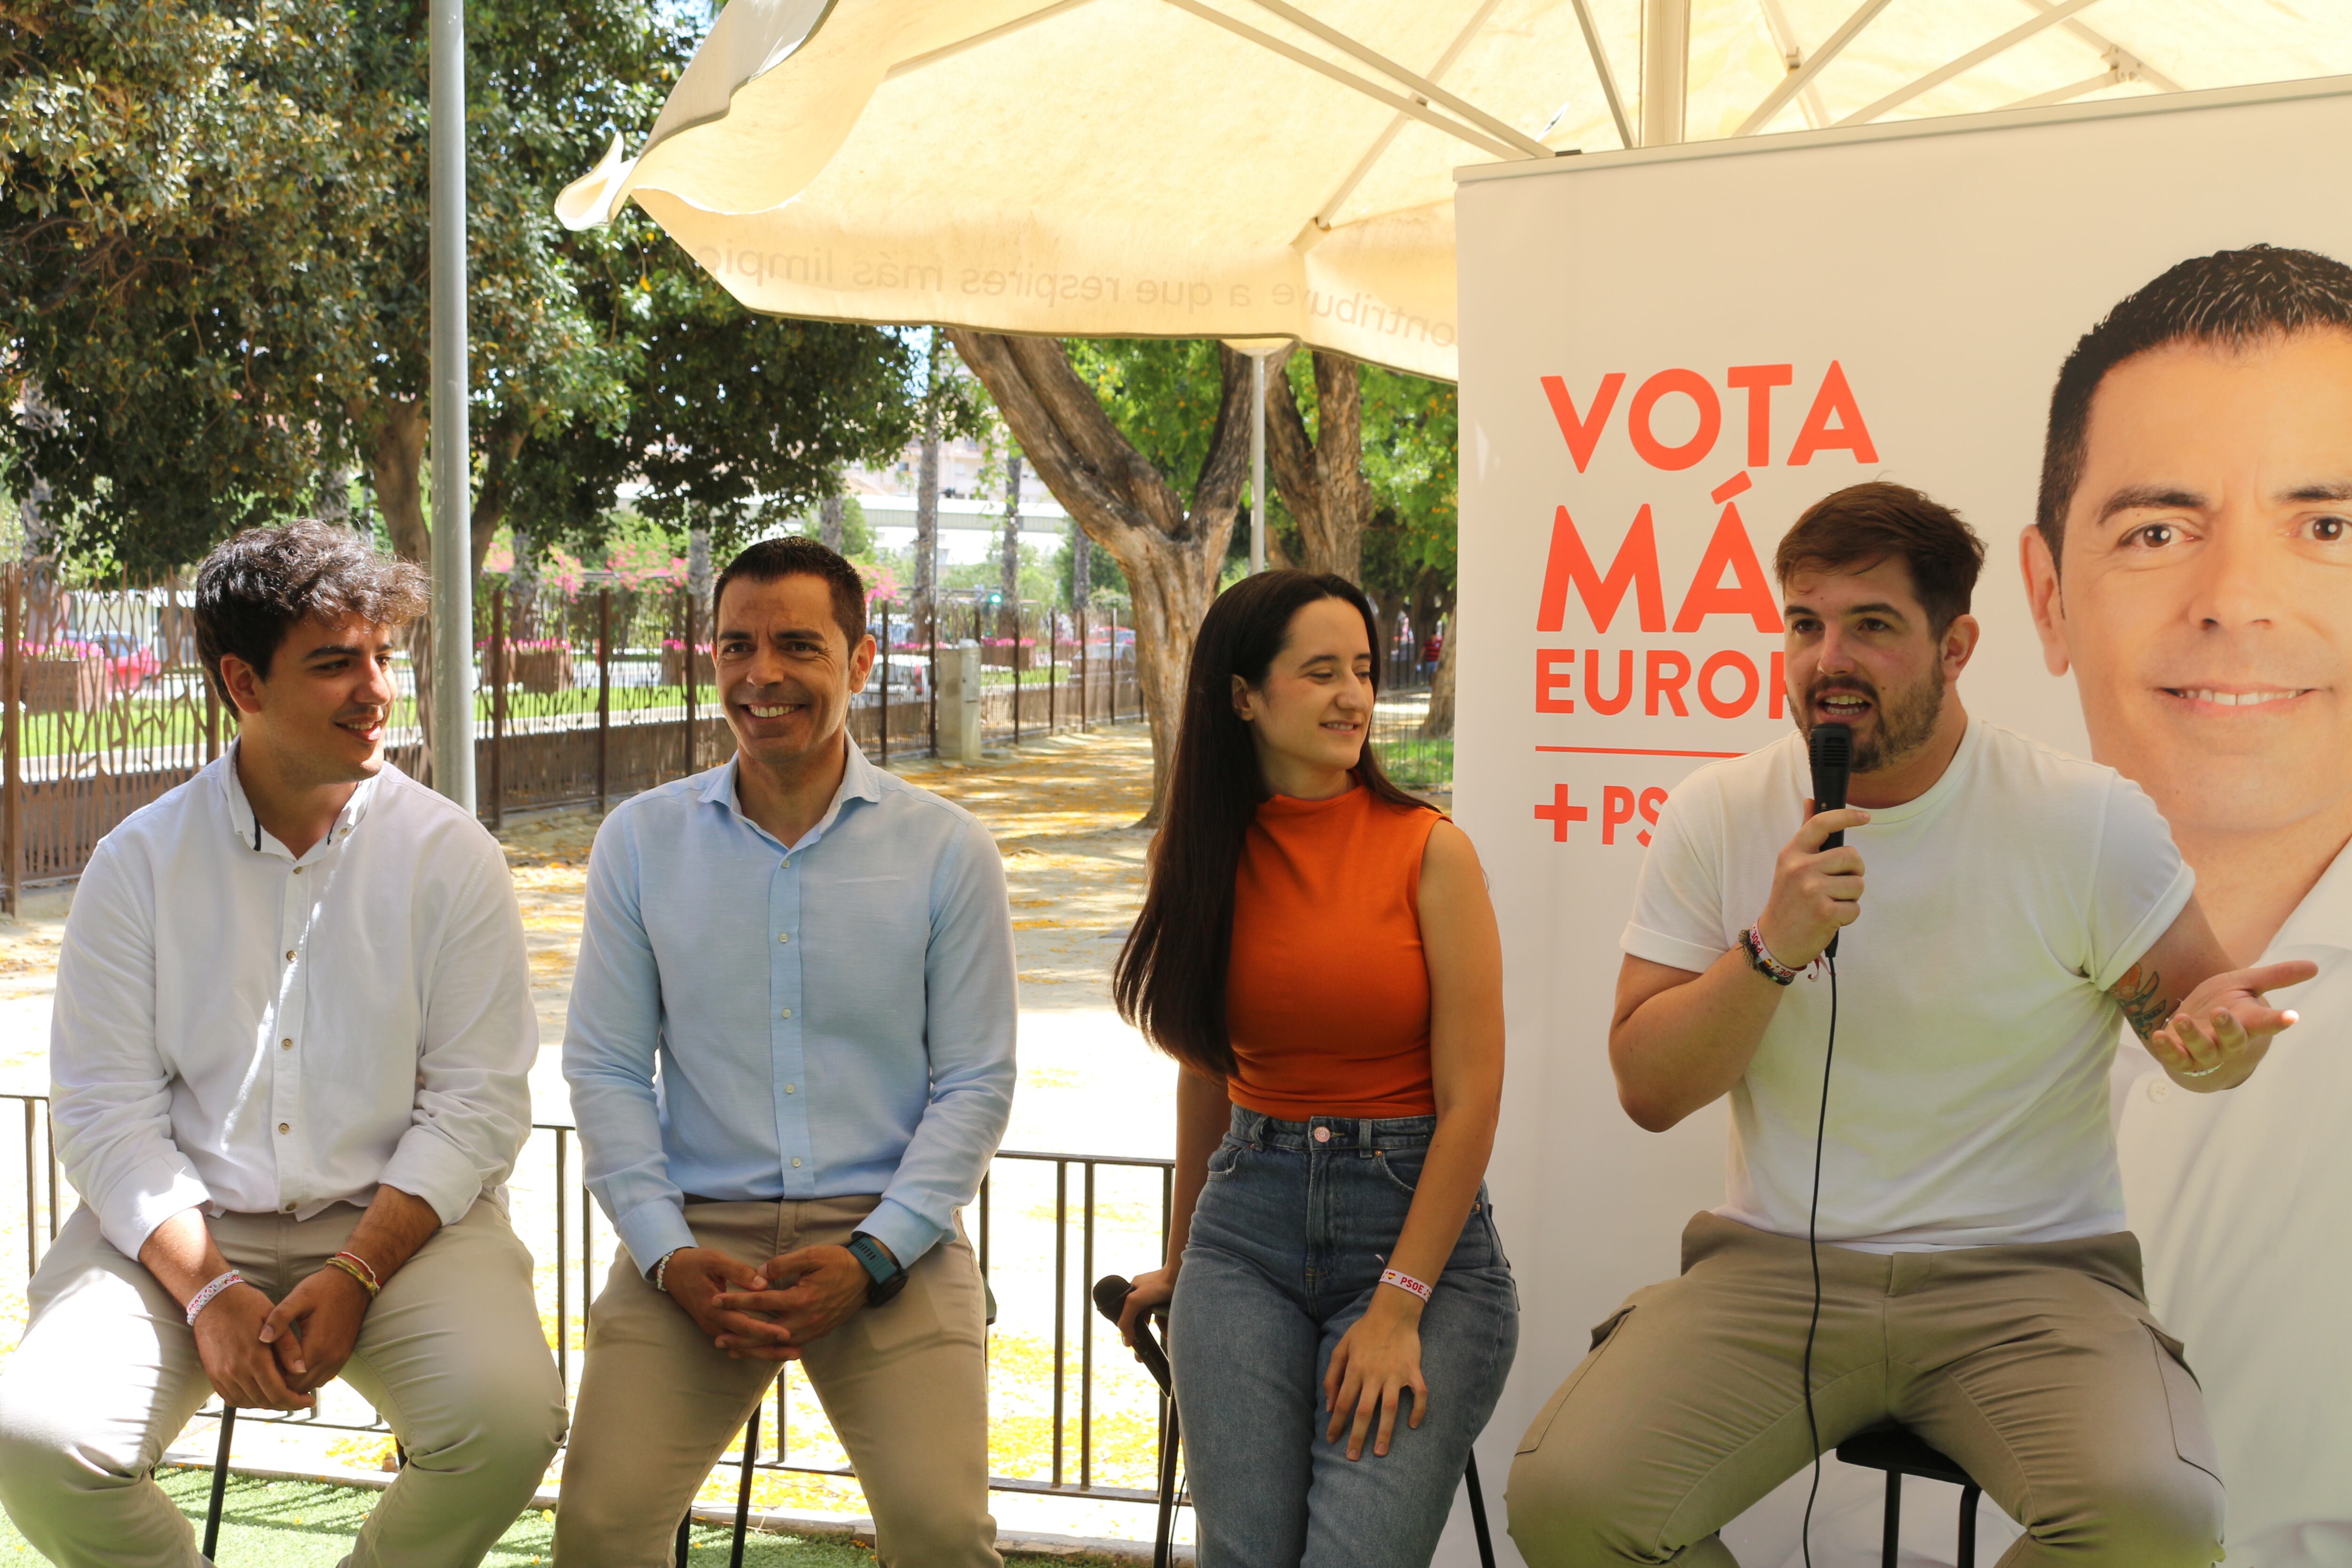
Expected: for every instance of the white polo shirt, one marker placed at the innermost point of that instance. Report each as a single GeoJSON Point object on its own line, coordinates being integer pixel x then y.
{"type": "Point", "coordinates": [1968, 1105]}
{"type": "Point", "coordinates": [2243, 1202]}
{"type": "Point", "coordinates": [236, 1029]}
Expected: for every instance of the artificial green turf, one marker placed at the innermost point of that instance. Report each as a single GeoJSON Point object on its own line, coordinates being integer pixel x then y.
{"type": "Point", "coordinates": [310, 1524]}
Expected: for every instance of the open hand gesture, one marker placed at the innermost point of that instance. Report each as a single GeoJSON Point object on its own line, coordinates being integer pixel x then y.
{"type": "Point", "coordinates": [2225, 1027]}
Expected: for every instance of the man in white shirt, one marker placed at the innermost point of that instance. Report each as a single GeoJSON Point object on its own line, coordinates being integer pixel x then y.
{"type": "Point", "coordinates": [292, 1025]}
{"type": "Point", "coordinates": [2197, 492]}
{"type": "Point", "coordinates": [1976, 1283]}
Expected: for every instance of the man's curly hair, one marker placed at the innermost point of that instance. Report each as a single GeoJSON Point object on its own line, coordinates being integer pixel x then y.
{"type": "Point", "coordinates": [252, 590]}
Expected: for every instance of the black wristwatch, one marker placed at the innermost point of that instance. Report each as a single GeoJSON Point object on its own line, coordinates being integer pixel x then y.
{"type": "Point", "coordinates": [885, 1279]}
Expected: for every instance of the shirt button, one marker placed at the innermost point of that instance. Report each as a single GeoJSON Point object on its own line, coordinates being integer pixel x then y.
{"type": "Point", "coordinates": [285, 1126]}
{"type": "Point", "coordinates": [297, 871]}
{"type": "Point", "coordinates": [785, 1014]}
{"type": "Point", "coordinates": [791, 1089]}
{"type": "Point", "coordinates": [783, 936]}
{"type": "Point", "coordinates": [1322, 1135]}
{"type": "Point", "coordinates": [2159, 1092]}
{"type": "Point", "coordinates": [290, 1208]}
{"type": "Point", "coordinates": [796, 1161]}
{"type": "Point", "coordinates": [284, 1045]}
{"type": "Point", "coordinates": [289, 955]}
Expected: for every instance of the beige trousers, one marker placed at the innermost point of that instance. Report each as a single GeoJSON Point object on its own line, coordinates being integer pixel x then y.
{"type": "Point", "coordinates": [905, 1385]}
{"type": "Point", "coordinates": [2038, 1368]}
{"type": "Point", "coordinates": [452, 1353]}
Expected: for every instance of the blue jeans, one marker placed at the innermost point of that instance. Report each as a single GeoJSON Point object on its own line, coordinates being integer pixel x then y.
{"type": "Point", "coordinates": [1288, 1243]}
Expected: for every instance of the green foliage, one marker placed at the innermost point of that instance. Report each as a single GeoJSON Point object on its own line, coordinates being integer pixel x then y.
{"type": "Point", "coordinates": [1412, 438]}
{"type": "Point", "coordinates": [726, 420]}
{"type": "Point", "coordinates": [1161, 394]}
{"type": "Point", "coordinates": [192, 196]}
{"type": "Point", "coordinates": [213, 276]}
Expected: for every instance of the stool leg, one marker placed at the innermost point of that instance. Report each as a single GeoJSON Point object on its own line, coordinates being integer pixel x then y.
{"type": "Point", "coordinates": [220, 1481]}
{"type": "Point", "coordinates": [1160, 1548]}
{"type": "Point", "coordinates": [685, 1535]}
{"type": "Point", "coordinates": [1891, 1549]}
{"type": "Point", "coordinates": [743, 1488]}
{"type": "Point", "coordinates": [1968, 1553]}
{"type": "Point", "coordinates": [1478, 1515]}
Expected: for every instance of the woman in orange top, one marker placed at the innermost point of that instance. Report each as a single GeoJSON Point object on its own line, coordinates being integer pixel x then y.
{"type": "Point", "coordinates": [1319, 954]}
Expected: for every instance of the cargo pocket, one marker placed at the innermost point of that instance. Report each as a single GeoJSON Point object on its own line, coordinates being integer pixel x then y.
{"type": "Point", "coordinates": [1603, 1333]}
{"type": "Point", "coordinates": [2192, 1435]}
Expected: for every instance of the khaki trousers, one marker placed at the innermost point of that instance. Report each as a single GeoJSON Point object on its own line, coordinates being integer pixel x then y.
{"type": "Point", "coordinates": [905, 1385]}
{"type": "Point", "coordinates": [451, 1353]}
{"type": "Point", "coordinates": [2038, 1368]}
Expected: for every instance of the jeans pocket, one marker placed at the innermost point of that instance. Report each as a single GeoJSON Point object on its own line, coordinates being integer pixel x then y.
{"type": "Point", "coordinates": [1225, 1157]}
{"type": "Point", "coordinates": [1603, 1332]}
{"type": "Point", "coordinates": [2192, 1435]}
{"type": "Point", "coordinates": [1401, 1169]}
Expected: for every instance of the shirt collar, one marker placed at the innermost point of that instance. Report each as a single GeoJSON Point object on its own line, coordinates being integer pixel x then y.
{"type": "Point", "coordinates": [860, 780]}
{"type": "Point", "coordinates": [246, 823]}
{"type": "Point", "coordinates": [2324, 918]}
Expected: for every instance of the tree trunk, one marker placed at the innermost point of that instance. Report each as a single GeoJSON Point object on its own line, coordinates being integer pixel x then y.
{"type": "Point", "coordinates": [1082, 568]}
{"type": "Point", "coordinates": [1008, 614]}
{"type": "Point", "coordinates": [832, 514]}
{"type": "Point", "coordinates": [698, 569]}
{"type": "Point", "coordinates": [1438, 725]}
{"type": "Point", "coordinates": [1321, 478]}
{"type": "Point", "coordinates": [394, 443]}
{"type": "Point", "coordinates": [1172, 555]}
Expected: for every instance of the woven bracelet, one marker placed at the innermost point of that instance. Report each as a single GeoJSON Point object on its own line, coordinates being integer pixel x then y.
{"type": "Point", "coordinates": [204, 1298]}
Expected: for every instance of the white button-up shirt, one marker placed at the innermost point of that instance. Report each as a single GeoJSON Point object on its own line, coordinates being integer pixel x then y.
{"type": "Point", "coordinates": [2243, 1202]}
{"type": "Point", "coordinates": [238, 1029]}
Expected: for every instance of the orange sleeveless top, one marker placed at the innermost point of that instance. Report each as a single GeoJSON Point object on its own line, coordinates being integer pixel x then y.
{"type": "Point", "coordinates": [1326, 991]}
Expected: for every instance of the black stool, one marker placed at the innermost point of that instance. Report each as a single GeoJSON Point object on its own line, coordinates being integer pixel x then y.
{"type": "Point", "coordinates": [1899, 1452]}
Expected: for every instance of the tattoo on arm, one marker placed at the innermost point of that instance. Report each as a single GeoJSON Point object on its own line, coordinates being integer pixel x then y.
{"type": "Point", "coordinates": [2140, 993]}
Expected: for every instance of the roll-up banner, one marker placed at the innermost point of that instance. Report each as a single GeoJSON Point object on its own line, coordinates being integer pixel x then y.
{"type": "Point", "coordinates": [1667, 356]}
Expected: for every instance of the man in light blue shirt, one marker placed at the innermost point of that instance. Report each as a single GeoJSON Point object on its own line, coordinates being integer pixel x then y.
{"type": "Point", "coordinates": [791, 1058]}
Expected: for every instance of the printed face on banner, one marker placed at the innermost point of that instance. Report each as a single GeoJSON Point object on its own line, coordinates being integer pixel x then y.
{"type": "Point", "coordinates": [2201, 591]}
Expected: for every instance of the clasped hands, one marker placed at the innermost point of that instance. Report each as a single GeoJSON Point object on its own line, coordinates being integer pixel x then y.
{"type": "Point", "coordinates": [772, 1312]}
{"type": "Point", "coordinates": [261, 1357]}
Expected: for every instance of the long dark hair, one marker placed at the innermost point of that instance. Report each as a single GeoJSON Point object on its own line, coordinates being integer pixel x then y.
{"type": "Point", "coordinates": [1169, 981]}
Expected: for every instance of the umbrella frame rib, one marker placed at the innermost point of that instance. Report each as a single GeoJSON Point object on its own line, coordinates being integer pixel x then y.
{"type": "Point", "coordinates": [1429, 91]}
{"type": "Point", "coordinates": [1792, 84]}
{"type": "Point", "coordinates": [1396, 100]}
{"type": "Point", "coordinates": [1969, 62]}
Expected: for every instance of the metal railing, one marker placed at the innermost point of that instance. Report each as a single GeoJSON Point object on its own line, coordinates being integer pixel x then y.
{"type": "Point", "coordinates": [1068, 1464]}
{"type": "Point", "coordinates": [585, 691]}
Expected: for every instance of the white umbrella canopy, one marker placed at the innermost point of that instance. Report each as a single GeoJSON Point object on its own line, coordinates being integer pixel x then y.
{"type": "Point", "coordinates": [1285, 168]}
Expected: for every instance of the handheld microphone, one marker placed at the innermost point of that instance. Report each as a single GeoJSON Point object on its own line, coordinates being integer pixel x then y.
{"type": "Point", "coordinates": [1111, 1292]}
{"type": "Point", "coordinates": [1831, 749]}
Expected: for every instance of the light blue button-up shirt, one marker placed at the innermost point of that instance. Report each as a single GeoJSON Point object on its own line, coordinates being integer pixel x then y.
{"type": "Point", "coordinates": [831, 1020]}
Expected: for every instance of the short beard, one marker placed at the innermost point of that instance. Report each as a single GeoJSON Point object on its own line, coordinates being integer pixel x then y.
{"type": "Point", "coordinates": [1905, 724]}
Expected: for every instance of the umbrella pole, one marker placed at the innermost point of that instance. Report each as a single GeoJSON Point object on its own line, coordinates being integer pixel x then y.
{"type": "Point", "coordinates": [1257, 463]}
{"type": "Point", "coordinates": [452, 551]}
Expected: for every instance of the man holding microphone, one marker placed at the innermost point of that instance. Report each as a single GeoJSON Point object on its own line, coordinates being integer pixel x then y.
{"type": "Point", "coordinates": [1948, 1145]}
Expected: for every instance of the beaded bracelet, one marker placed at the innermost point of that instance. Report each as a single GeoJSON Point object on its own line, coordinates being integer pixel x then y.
{"type": "Point", "coordinates": [352, 1266]}
{"type": "Point", "coordinates": [204, 1298]}
{"type": "Point", "coordinates": [661, 1270]}
{"type": "Point", "coordinates": [1404, 1282]}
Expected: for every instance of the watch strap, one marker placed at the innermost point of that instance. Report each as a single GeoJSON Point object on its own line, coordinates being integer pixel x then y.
{"type": "Point", "coordinates": [885, 1277]}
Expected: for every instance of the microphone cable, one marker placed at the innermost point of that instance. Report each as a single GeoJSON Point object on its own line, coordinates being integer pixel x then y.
{"type": "Point", "coordinates": [1813, 1249]}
